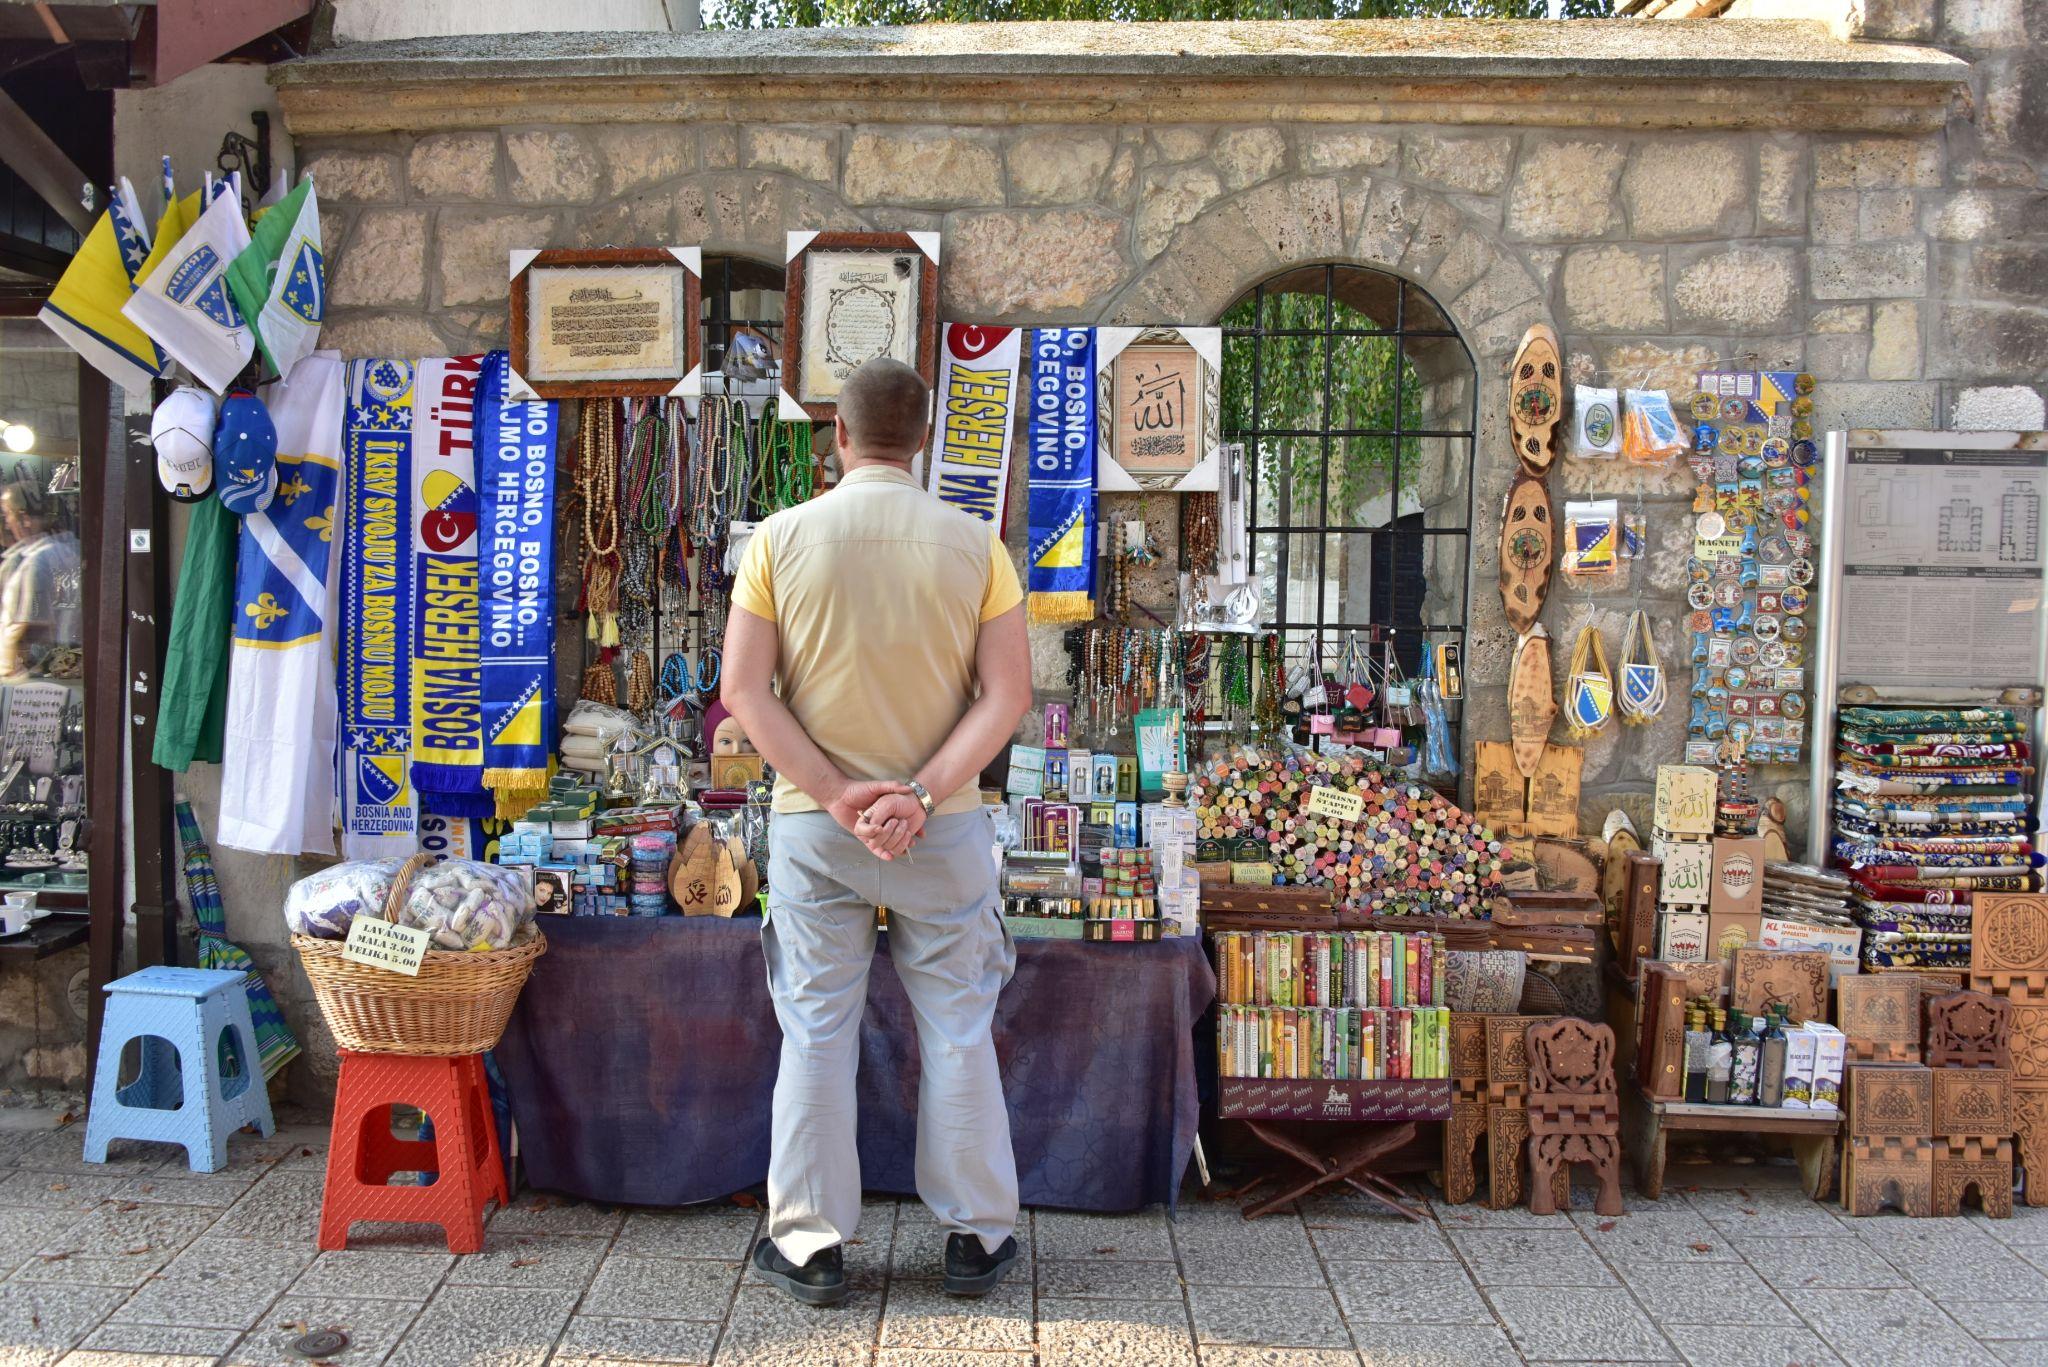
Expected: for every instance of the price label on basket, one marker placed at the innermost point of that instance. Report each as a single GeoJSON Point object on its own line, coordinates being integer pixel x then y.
{"type": "Point", "coordinates": [380, 944]}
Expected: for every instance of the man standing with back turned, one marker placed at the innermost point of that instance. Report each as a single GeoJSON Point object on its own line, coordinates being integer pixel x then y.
{"type": "Point", "coordinates": [892, 628]}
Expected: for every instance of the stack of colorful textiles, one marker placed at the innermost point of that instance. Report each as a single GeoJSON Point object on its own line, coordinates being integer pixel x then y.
{"type": "Point", "coordinates": [1931, 807]}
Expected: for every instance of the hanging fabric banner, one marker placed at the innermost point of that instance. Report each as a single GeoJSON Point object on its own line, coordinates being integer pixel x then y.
{"type": "Point", "coordinates": [447, 641]}
{"type": "Point", "coordinates": [1061, 568]}
{"type": "Point", "coordinates": [277, 761]}
{"type": "Point", "coordinates": [977, 402]}
{"type": "Point", "coordinates": [183, 301]}
{"type": "Point", "coordinates": [378, 810]}
{"type": "Point", "coordinates": [280, 280]}
{"type": "Point", "coordinates": [515, 463]}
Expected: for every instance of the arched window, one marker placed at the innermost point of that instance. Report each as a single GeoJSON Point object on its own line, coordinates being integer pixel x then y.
{"type": "Point", "coordinates": [742, 299]}
{"type": "Point", "coordinates": [1354, 399]}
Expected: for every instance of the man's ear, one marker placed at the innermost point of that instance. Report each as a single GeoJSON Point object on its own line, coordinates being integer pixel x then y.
{"type": "Point", "coordinates": [839, 441]}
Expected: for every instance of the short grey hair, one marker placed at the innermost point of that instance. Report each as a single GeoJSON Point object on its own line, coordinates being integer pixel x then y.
{"type": "Point", "coordinates": [886, 409]}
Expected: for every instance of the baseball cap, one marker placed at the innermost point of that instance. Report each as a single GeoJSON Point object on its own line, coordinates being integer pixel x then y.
{"type": "Point", "coordinates": [182, 433]}
{"type": "Point", "coordinates": [245, 453]}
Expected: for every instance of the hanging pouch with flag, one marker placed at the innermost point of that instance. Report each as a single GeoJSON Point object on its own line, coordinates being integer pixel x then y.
{"type": "Point", "coordinates": [1642, 690]}
{"type": "Point", "coordinates": [1590, 686]}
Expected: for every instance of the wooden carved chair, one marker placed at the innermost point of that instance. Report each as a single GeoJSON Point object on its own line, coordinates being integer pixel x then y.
{"type": "Point", "coordinates": [1574, 1114]}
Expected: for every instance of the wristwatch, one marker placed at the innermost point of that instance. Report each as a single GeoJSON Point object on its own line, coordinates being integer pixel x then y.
{"type": "Point", "coordinates": [923, 796]}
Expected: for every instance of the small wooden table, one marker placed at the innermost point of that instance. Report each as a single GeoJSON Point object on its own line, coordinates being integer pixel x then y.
{"type": "Point", "coordinates": [1352, 1161]}
{"type": "Point", "coordinates": [1646, 1124]}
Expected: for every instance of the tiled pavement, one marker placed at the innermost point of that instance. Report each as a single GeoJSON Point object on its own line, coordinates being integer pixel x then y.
{"type": "Point", "coordinates": [141, 1262]}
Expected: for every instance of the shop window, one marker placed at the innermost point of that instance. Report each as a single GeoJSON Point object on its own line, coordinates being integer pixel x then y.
{"type": "Point", "coordinates": [42, 685]}
{"type": "Point", "coordinates": [1354, 399]}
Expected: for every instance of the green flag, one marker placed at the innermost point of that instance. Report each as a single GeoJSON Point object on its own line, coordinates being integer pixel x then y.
{"type": "Point", "coordinates": [279, 281]}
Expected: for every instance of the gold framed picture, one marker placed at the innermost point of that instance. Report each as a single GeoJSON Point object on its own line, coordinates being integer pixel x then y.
{"type": "Point", "coordinates": [1158, 403]}
{"type": "Point", "coordinates": [615, 322]}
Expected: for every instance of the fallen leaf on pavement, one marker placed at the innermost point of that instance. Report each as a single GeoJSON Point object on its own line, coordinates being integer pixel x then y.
{"type": "Point", "coordinates": [1605, 1226]}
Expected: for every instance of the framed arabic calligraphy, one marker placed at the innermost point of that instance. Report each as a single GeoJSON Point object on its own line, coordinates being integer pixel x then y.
{"type": "Point", "coordinates": [849, 298]}
{"type": "Point", "coordinates": [618, 322]}
{"type": "Point", "coordinates": [1159, 392]}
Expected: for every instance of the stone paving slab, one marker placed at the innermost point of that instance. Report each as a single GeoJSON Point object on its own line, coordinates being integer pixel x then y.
{"type": "Point", "coordinates": [222, 1271]}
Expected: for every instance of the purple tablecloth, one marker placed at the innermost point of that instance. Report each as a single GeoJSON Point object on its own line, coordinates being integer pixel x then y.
{"type": "Point", "coordinates": [642, 1056]}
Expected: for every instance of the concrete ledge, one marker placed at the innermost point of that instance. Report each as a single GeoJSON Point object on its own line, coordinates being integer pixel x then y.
{"type": "Point", "coordinates": [1617, 73]}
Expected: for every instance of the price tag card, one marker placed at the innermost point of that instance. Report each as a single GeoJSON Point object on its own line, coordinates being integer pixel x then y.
{"type": "Point", "coordinates": [1335, 803]}
{"type": "Point", "coordinates": [382, 945]}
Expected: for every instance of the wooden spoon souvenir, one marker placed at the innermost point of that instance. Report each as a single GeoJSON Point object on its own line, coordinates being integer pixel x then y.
{"type": "Point", "coordinates": [1536, 398]}
{"type": "Point", "coordinates": [1528, 544]}
{"type": "Point", "coordinates": [1531, 704]}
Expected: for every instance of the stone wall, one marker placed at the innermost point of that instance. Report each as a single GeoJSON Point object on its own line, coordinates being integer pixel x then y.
{"type": "Point", "coordinates": [1902, 268]}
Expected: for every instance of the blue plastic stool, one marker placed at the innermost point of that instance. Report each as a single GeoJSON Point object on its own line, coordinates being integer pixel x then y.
{"type": "Point", "coordinates": [199, 1081]}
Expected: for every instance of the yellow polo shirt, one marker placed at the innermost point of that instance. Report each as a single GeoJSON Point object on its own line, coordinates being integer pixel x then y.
{"type": "Point", "coordinates": [878, 591]}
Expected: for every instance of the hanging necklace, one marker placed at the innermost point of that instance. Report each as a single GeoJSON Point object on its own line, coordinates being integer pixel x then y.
{"type": "Point", "coordinates": [597, 482]}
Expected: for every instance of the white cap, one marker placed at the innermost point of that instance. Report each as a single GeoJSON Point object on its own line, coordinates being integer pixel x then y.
{"type": "Point", "coordinates": [182, 433]}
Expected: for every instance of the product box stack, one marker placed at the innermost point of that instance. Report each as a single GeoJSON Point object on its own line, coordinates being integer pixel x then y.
{"type": "Point", "coordinates": [1808, 908]}
{"type": "Point", "coordinates": [1170, 835]}
{"type": "Point", "coordinates": [1681, 837]}
{"type": "Point", "coordinates": [1931, 810]}
{"type": "Point", "coordinates": [586, 862]}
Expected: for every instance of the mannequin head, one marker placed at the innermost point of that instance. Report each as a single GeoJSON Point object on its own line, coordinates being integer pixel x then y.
{"type": "Point", "coordinates": [723, 734]}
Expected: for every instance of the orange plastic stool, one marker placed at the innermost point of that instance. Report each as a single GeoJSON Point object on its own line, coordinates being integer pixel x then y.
{"type": "Point", "coordinates": [363, 1154]}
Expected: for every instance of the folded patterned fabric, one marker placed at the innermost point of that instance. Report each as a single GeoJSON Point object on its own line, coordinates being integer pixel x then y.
{"type": "Point", "coordinates": [1856, 776]}
{"type": "Point", "coordinates": [1928, 719]}
{"type": "Point", "coordinates": [1871, 892]}
{"type": "Point", "coordinates": [1918, 921]}
{"type": "Point", "coordinates": [1881, 950]}
{"type": "Point", "coordinates": [1915, 863]}
{"type": "Point", "coordinates": [1931, 756]}
{"type": "Point", "coordinates": [1916, 830]}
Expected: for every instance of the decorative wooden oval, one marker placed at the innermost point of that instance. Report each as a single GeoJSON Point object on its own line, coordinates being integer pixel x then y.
{"type": "Point", "coordinates": [1531, 703]}
{"type": "Point", "coordinates": [693, 873]}
{"type": "Point", "coordinates": [1536, 398]}
{"type": "Point", "coordinates": [1621, 841]}
{"type": "Point", "coordinates": [1528, 548]}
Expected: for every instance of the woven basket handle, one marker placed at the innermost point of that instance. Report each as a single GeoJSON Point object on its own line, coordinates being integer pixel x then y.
{"type": "Point", "coordinates": [401, 886]}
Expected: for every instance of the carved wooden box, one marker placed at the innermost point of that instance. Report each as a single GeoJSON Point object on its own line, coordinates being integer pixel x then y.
{"type": "Point", "coordinates": [1797, 978]}
{"type": "Point", "coordinates": [1973, 1103]}
{"type": "Point", "coordinates": [1880, 1014]}
{"type": "Point", "coordinates": [1891, 1100]}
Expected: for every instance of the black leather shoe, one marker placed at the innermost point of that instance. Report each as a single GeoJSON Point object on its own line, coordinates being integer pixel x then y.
{"type": "Point", "coordinates": [821, 1281]}
{"type": "Point", "coordinates": [971, 1270]}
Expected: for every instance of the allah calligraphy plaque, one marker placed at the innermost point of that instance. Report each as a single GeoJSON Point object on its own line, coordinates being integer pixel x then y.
{"type": "Point", "coordinates": [616, 322]}
{"type": "Point", "coordinates": [1157, 404]}
{"type": "Point", "coordinates": [852, 297]}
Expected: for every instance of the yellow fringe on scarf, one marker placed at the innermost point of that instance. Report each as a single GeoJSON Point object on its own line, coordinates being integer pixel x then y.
{"type": "Point", "coordinates": [1059, 609]}
{"type": "Point", "coordinates": [518, 791]}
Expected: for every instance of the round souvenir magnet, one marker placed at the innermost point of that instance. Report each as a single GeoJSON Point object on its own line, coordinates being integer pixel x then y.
{"type": "Point", "coordinates": [1802, 407]}
{"type": "Point", "coordinates": [1700, 620]}
{"type": "Point", "coordinates": [1772, 655]}
{"type": "Point", "coordinates": [1792, 705]}
{"type": "Point", "coordinates": [1775, 549]}
{"type": "Point", "coordinates": [1734, 410]}
{"type": "Point", "coordinates": [1777, 450]}
{"type": "Point", "coordinates": [1802, 428]}
{"type": "Point", "coordinates": [1737, 676]}
{"type": "Point", "coordinates": [1698, 571]}
{"type": "Point", "coordinates": [1793, 599]}
{"type": "Point", "coordinates": [1746, 650]}
{"type": "Point", "coordinates": [1750, 467]}
{"type": "Point", "coordinates": [1728, 567]}
{"type": "Point", "coordinates": [1802, 571]}
{"type": "Point", "coordinates": [1768, 602]}
{"type": "Point", "coordinates": [1706, 436]}
{"type": "Point", "coordinates": [1800, 543]}
{"type": "Point", "coordinates": [1795, 656]}
{"type": "Point", "coordinates": [1712, 525]}
{"type": "Point", "coordinates": [1702, 405]}
{"type": "Point", "coordinates": [1794, 629]}
{"type": "Point", "coordinates": [1767, 628]}
{"type": "Point", "coordinates": [1700, 595]}
{"type": "Point", "coordinates": [1805, 452]}
{"type": "Point", "coordinates": [1728, 594]}
{"type": "Point", "coordinates": [1803, 384]}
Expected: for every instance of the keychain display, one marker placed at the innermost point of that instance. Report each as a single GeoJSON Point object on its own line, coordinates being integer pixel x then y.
{"type": "Point", "coordinates": [1589, 698]}
{"type": "Point", "coordinates": [1596, 423]}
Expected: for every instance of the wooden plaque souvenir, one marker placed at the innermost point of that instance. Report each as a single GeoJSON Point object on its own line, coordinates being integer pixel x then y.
{"type": "Point", "coordinates": [2009, 943]}
{"type": "Point", "coordinates": [1157, 406]}
{"type": "Point", "coordinates": [606, 322]}
{"type": "Point", "coordinates": [1961, 1165]}
{"type": "Point", "coordinates": [1640, 915]}
{"type": "Point", "coordinates": [1614, 867]}
{"type": "Point", "coordinates": [1969, 1030]}
{"type": "Point", "coordinates": [1892, 1171]}
{"type": "Point", "coordinates": [1574, 1113]}
{"type": "Point", "coordinates": [2030, 1139]}
{"type": "Point", "coordinates": [1796, 978]}
{"type": "Point", "coordinates": [1507, 1054]}
{"type": "Point", "coordinates": [1554, 792]}
{"type": "Point", "coordinates": [2029, 1042]}
{"type": "Point", "coordinates": [1880, 1015]}
{"type": "Point", "coordinates": [1499, 792]}
{"type": "Point", "coordinates": [850, 297]}
{"type": "Point", "coordinates": [1973, 1103]}
{"type": "Point", "coordinates": [1660, 1036]}
{"type": "Point", "coordinates": [1685, 800]}
{"type": "Point", "coordinates": [1528, 547]}
{"type": "Point", "coordinates": [1891, 1100]}
{"type": "Point", "coordinates": [1531, 703]}
{"type": "Point", "coordinates": [1565, 868]}
{"type": "Point", "coordinates": [1536, 398]}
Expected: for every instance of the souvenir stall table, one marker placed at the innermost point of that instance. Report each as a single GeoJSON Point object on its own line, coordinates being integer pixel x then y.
{"type": "Point", "coordinates": [652, 1087]}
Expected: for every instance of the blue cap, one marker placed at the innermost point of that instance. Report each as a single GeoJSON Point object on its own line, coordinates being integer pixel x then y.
{"type": "Point", "coordinates": [245, 454]}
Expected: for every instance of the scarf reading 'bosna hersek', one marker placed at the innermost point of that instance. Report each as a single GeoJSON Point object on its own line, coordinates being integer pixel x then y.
{"type": "Point", "coordinates": [447, 638]}
{"type": "Point", "coordinates": [515, 467]}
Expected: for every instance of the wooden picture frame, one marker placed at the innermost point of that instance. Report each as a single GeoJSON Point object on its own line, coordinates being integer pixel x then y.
{"type": "Point", "coordinates": [807, 345]}
{"type": "Point", "coordinates": [672, 371]}
{"type": "Point", "coordinates": [1134, 368]}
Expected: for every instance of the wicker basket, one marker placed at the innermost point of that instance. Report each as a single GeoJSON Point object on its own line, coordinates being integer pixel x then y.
{"type": "Point", "coordinates": [458, 1004]}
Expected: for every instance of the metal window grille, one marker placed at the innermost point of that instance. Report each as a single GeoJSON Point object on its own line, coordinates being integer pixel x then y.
{"type": "Point", "coordinates": [1322, 385]}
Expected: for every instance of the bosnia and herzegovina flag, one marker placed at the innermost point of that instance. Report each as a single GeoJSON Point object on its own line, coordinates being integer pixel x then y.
{"type": "Point", "coordinates": [85, 307]}
{"type": "Point", "coordinates": [280, 279]}
{"type": "Point", "coordinates": [447, 657]}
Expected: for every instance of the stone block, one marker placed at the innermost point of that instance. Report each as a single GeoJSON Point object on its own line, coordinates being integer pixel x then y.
{"type": "Point", "coordinates": [1879, 404]}
{"type": "Point", "coordinates": [1687, 188]}
{"type": "Point", "coordinates": [1346, 149]}
{"type": "Point", "coordinates": [1052, 261]}
{"type": "Point", "coordinates": [1841, 357]}
{"type": "Point", "coordinates": [475, 252]}
{"type": "Point", "coordinates": [550, 166]}
{"type": "Point", "coordinates": [1058, 167]}
{"type": "Point", "coordinates": [1614, 289]}
{"type": "Point", "coordinates": [1981, 25]}
{"type": "Point", "coordinates": [1991, 342]}
{"type": "Point", "coordinates": [1741, 289]}
{"type": "Point", "coordinates": [1986, 215]}
{"type": "Point", "coordinates": [359, 332]}
{"type": "Point", "coordinates": [1999, 408]}
{"type": "Point", "coordinates": [1835, 216]}
{"type": "Point", "coordinates": [1170, 198]}
{"type": "Point", "coordinates": [922, 167]}
{"type": "Point", "coordinates": [1222, 254]}
{"type": "Point", "coordinates": [1886, 213]}
{"type": "Point", "coordinates": [1504, 285]}
{"type": "Point", "coordinates": [806, 153]}
{"type": "Point", "coordinates": [1877, 164]}
{"type": "Point", "coordinates": [1476, 165]}
{"type": "Point", "coordinates": [1893, 270]}
{"type": "Point", "coordinates": [1300, 219]}
{"type": "Point", "coordinates": [2016, 272]}
{"type": "Point", "coordinates": [446, 166]}
{"type": "Point", "coordinates": [1120, 190]}
{"type": "Point", "coordinates": [1437, 225]}
{"type": "Point", "coordinates": [1840, 318]}
{"type": "Point", "coordinates": [631, 222]}
{"type": "Point", "coordinates": [347, 176]}
{"type": "Point", "coordinates": [1565, 189]}
{"type": "Point", "coordinates": [1898, 20]}
{"type": "Point", "coordinates": [1895, 341]}
{"type": "Point", "coordinates": [384, 263]}
{"type": "Point", "coordinates": [1178, 144]}
{"type": "Point", "coordinates": [637, 155]}
{"type": "Point", "coordinates": [721, 147]}
{"type": "Point", "coordinates": [1246, 156]}
{"type": "Point", "coordinates": [1780, 188]}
